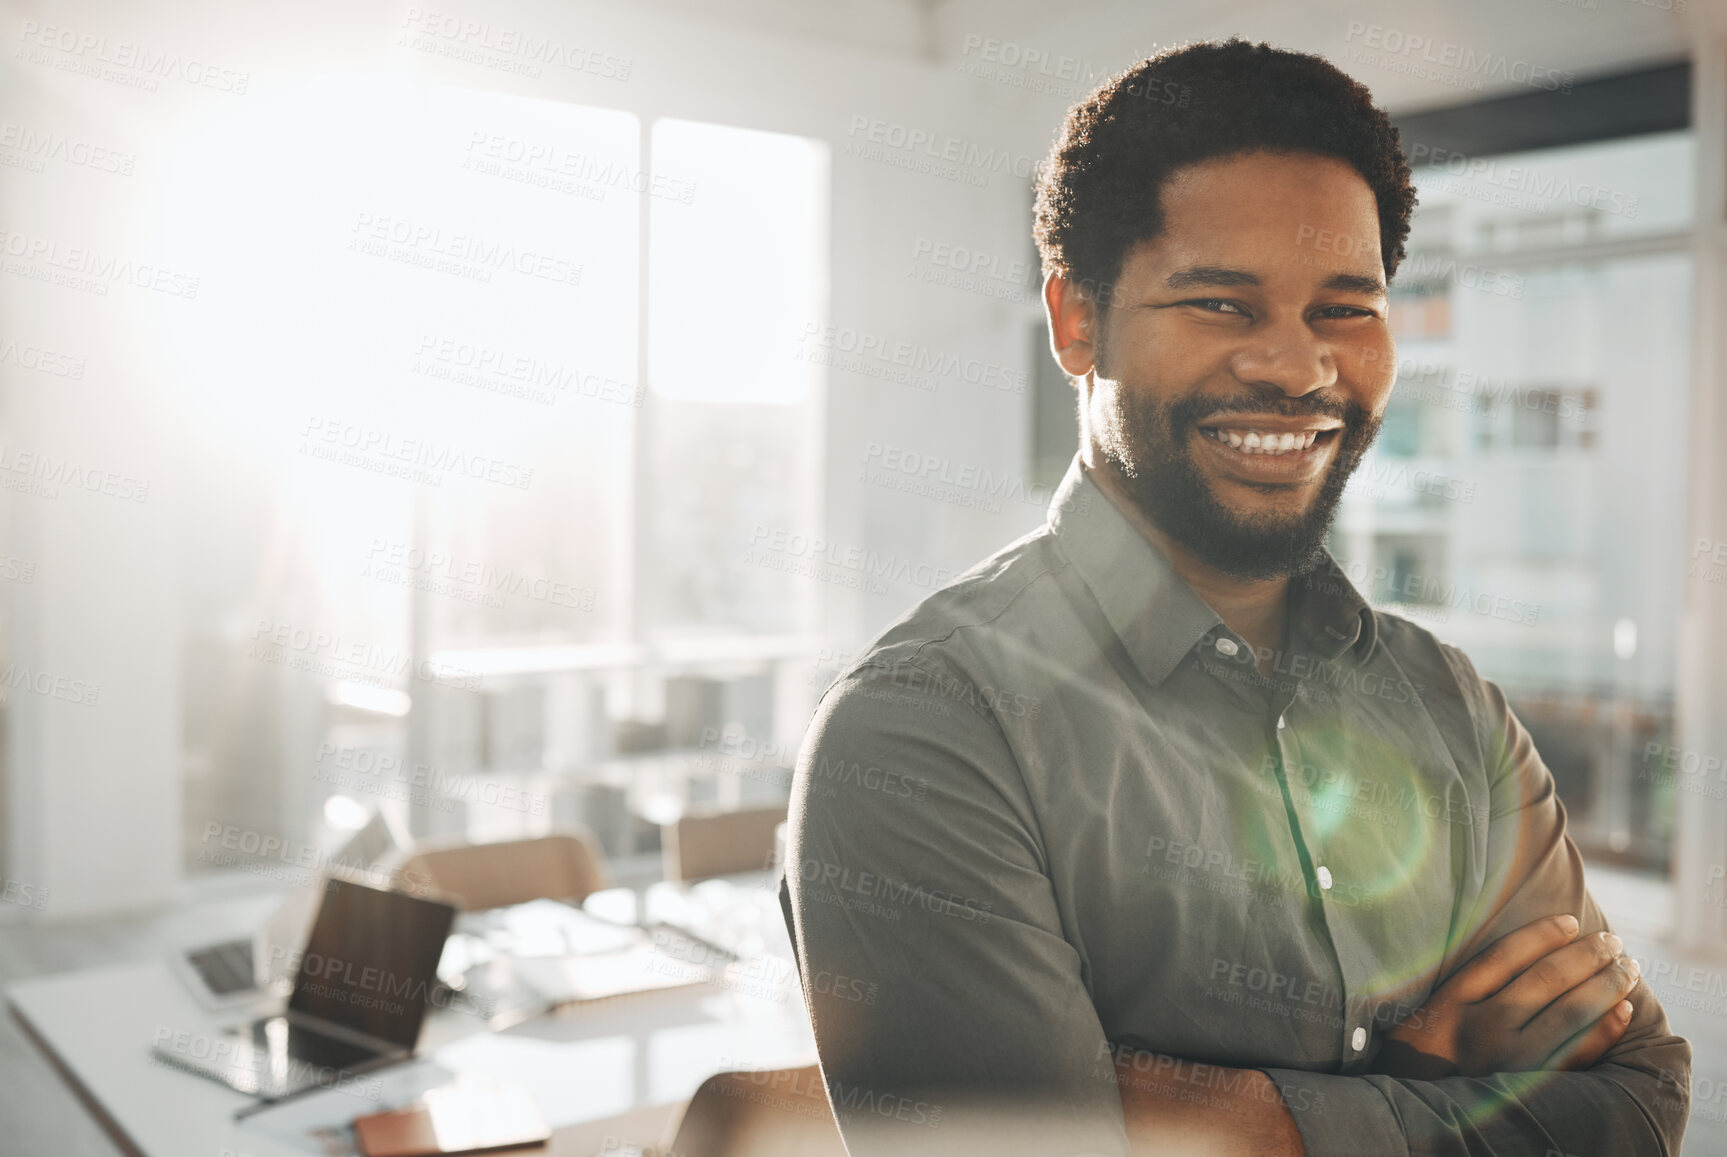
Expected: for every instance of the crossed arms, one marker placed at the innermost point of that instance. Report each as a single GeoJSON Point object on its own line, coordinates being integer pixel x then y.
{"type": "Point", "coordinates": [982, 1014]}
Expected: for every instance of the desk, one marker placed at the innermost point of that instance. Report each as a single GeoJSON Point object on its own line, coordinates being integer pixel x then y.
{"type": "Point", "coordinates": [617, 1069]}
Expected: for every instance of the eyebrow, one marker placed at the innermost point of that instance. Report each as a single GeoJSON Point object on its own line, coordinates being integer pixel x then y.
{"type": "Point", "coordinates": [1202, 275]}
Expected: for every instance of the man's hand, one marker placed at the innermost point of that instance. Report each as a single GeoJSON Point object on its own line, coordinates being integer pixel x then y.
{"type": "Point", "coordinates": [1539, 998]}
{"type": "Point", "coordinates": [1176, 1108]}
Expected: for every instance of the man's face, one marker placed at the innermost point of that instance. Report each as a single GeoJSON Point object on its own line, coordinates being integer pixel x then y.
{"type": "Point", "coordinates": [1245, 360]}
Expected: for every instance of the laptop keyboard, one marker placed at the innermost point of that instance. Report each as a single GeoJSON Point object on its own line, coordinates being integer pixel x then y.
{"type": "Point", "coordinates": [224, 968]}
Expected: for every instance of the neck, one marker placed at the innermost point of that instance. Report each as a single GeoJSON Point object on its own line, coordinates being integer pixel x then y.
{"type": "Point", "coordinates": [1252, 608]}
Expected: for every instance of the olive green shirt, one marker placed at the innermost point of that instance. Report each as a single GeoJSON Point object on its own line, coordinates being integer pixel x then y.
{"type": "Point", "coordinates": [1056, 811]}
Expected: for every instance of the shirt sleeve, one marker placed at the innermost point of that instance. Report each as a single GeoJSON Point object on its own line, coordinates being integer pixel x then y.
{"type": "Point", "coordinates": [1634, 1101]}
{"type": "Point", "coordinates": [943, 994]}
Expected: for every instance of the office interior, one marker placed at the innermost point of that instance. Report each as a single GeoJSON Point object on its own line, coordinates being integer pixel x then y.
{"type": "Point", "coordinates": [430, 428]}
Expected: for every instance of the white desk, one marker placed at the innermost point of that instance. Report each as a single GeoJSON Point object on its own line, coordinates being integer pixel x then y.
{"type": "Point", "coordinates": [617, 1069]}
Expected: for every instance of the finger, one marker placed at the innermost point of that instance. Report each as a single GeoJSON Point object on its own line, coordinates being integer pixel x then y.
{"type": "Point", "coordinates": [1581, 1007]}
{"type": "Point", "coordinates": [1497, 964]}
{"type": "Point", "coordinates": [1588, 1046]}
{"type": "Point", "coordinates": [1556, 974]}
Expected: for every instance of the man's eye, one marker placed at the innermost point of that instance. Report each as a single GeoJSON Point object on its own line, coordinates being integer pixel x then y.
{"type": "Point", "coordinates": [1216, 305]}
{"type": "Point", "coordinates": [1341, 311]}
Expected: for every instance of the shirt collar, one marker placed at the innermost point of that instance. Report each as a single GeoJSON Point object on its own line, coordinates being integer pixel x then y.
{"type": "Point", "coordinates": [1157, 615]}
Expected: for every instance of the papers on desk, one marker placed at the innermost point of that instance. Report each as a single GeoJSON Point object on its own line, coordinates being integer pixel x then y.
{"type": "Point", "coordinates": [658, 959]}
{"type": "Point", "coordinates": [544, 953]}
{"type": "Point", "coordinates": [548, 928]}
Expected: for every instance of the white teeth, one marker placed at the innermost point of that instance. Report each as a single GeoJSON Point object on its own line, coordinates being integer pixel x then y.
{"type": "Point", "coordinates": [1254, 442]}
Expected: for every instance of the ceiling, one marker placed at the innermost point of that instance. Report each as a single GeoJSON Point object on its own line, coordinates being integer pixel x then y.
{"type": "Point", "coordinates": [1584, 37]}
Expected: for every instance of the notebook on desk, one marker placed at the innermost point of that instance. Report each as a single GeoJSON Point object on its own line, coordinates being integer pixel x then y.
{"type": "Point", "coordinates": [467, 1117]}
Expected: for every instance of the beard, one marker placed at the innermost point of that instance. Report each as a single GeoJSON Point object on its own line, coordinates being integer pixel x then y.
{"type": "Point", "coordinates": [1146, 442]}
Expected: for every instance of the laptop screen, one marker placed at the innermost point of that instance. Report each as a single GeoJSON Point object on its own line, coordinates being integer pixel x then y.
{"type": "Point", "coordinates": [372, 960]}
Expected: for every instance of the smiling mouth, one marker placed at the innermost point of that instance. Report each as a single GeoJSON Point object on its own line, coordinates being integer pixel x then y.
{"type": "Point", "coordinates": [1270, 443]}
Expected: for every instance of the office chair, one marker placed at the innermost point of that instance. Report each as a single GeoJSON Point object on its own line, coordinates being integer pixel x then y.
{"type": "Point", "coordinates": [568, 865]}
{"type": "Point", "coordinates": [773, 1113]}
{"type": "Point", "coordinates": [697, 847]}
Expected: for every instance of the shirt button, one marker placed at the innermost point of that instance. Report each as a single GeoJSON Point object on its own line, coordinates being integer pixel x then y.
{"type": "Point", "coordinates": [1359, 1040]}
{"type": "Point", "coordinates": [1227, 647]}
{"type": "Point", "coordinates": [1324, 874]}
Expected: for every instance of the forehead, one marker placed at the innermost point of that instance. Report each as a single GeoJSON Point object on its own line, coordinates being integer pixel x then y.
{"type": "Point", "coordinates": [1261, 210]}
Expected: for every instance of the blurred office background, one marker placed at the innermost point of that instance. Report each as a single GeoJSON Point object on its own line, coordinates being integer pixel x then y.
{"type": "Point", "coordinates": [509, 418]}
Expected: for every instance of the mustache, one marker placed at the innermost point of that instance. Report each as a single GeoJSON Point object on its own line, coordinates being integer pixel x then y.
{"type": "Point", "coordinates": [1188, 411]}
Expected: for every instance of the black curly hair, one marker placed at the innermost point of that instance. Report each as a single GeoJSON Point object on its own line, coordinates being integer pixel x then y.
{"type": "Point", "coordinates": [1098, 190]}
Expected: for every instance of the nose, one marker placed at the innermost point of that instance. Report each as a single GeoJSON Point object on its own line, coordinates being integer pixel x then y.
{"type": "Point", "coordinates": [1286, 356]}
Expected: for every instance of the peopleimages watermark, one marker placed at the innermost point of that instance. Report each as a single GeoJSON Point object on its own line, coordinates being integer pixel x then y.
{"type": "Point", "coordinates": [466, 255]}
{"type": "Point", "coordinates": [1421, 267]}
{"type": "Point", "coordinates": [86, 269]}
{"type": "Point", "coordinates": [18, 677]}
{"type": "Point", "coordinates": [1447, 61]}
{"type": "Point", "coordinates": [935, 154]}
{"type": "Point", "coordinates": [1367, 797]}
{"type": "Point", "coordinates": [333, 656]}
{"type": "Point", "coordinates": [1409, 590]}
{"type": "Point", "coordinates": [973, 271]}
{"type": "Point", "coordinates": [1521, 181]}
{"type": "Point", "coordinates": [1714, 567]}
{"type": "Point", "coordinates": [411, 458]}
{"type": "Point", "coordinates": [944, 480]}
{"type": "Point", "coordinates": [1220, 870]}
{"type": "Point", "coordinates": [40, 474]}
{"type": "Point", "coordinates": [762, 976]}
{"type": "Point", "coordinates": [1378, 477]}
{"type": "Point", "coordinates": [801, 1093]}
{"type": "Point", "coordinates": [1684, 769]}
{"type": "Point", "coordinates": [439, 572]}
{"type": "Point", "coordinates": [506, 49]}
{"type": "Point", "coordinates": [288, 861]}
{"type": "Point", "coordinates": [1474, 391]}
{"type": "Point", "coordinates": [362, 769]}
{"type": "Point", "coordinates": [517, 375]}
{"type": "Point", "coordinates": [1418, 267]}
{"type": "Point", "coordinates": [41, 359]}
{"type": "Point", "coordinates": [1036, 60]}
{"type": "Point", "coordinates": [233, 1052]}
{"type": "Point", "coordinates": [551, 166]}
{"type": "Point", "coordinates": [367, 986]}
{"type": "Point", "coordinates": [23, 895]}
{"type": "Point", "coordinates": [121, 61]}
{"type": "Point", "coordinates": [1262, 988]}
{"type": "Point", "coordinates": [913, 357]}
{"type": "Point", "coordinates": [1182, 1079]}
{"type": "Point", "coordinates": [29, 148]}
{"type": "Point", "coordinates": [859, 891]}
{"type": "Point", "coordinates": [776, 548]}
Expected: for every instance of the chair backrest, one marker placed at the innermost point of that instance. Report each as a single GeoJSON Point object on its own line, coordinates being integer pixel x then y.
{"type": "Point", "coordinates": [565, 866]}
{"type": "Point", "coordinates": [774, 1113]}
{"type": "Point", "coordinates": [720, 843]}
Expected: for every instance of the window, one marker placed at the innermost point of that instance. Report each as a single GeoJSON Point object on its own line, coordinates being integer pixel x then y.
{"type": "Point", "coordinates": [1514, 504]}
{"type": "Point", "coordinates": [453, 512]}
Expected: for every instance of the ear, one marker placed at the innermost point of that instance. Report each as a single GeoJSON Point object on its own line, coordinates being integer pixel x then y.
{"type": "Point", "coordinates": [1073, 324]}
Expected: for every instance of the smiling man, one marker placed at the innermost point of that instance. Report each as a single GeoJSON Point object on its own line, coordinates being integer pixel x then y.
{"type": "Point", "coordinates": [1148, 834]}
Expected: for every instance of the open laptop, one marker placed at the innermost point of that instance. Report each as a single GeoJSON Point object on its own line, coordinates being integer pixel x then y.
{"type": "Point", "coordinates": [236, 974]}
{"type": "Point", "coordinates": [361, 990]}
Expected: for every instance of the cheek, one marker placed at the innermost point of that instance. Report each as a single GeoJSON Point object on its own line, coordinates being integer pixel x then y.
{"type": "Point", "coordinates": [1370, 370]}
